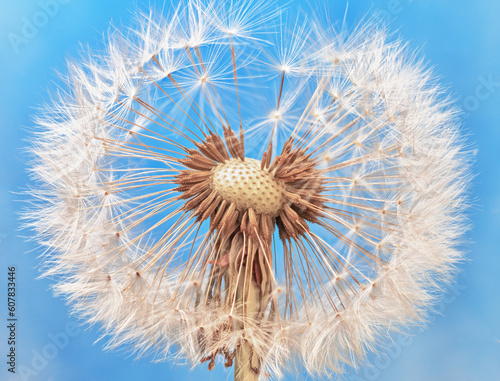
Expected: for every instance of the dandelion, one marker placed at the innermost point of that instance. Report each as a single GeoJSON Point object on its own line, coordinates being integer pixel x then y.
{"type": "Point", "coordinates": [217, 191]}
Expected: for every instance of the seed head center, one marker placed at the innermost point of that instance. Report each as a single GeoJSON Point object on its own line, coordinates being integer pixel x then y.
{"type": "Point", "coordinates": [247, 186]}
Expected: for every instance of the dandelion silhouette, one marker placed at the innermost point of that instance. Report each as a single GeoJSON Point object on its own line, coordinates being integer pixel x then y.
{"type": "Point", "coordinates": [250, 196]}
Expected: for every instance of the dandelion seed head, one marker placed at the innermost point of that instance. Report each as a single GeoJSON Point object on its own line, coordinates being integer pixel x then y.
{"type": "Point", "coordinates": [246, 193]}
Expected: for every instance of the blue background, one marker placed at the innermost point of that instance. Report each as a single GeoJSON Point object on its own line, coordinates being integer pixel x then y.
{"type": "Point", "coordinates": [461, 39]}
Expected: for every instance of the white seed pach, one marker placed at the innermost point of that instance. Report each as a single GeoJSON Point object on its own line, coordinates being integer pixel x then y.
{"type": "Point", "coordinates": [247, 186]}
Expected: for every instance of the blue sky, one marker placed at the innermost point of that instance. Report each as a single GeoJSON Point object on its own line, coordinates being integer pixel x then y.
{"type": "Point", "coordinates": [461, 40]}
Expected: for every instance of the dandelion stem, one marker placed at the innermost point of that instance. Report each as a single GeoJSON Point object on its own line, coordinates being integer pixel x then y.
{"type": "Point", "coordinates": [247, 362]}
